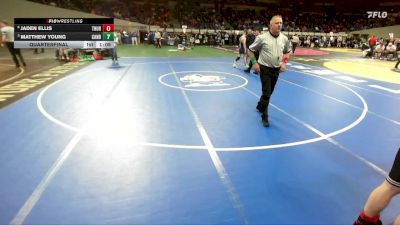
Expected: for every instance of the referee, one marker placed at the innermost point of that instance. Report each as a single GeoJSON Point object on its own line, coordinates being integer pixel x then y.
{"type": "Point", "coordinates": [274, 48]}
{"type": "Point", "coordinates": [7, 33]}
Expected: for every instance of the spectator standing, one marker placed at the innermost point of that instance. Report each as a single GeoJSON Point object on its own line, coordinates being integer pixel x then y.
{"type": "Point", "coordinates": [295, 42]}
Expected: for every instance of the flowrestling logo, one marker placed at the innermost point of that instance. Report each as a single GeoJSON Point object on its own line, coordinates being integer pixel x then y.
{"type": "Point", "coordinates": [377, 14]}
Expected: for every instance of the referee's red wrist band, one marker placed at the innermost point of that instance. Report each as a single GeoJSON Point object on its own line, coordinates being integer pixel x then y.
{"type": "Point", "coordinates": [285, 59]}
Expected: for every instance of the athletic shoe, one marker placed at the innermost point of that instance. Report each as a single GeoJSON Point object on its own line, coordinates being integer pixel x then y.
{"type": "Point", "coordinates": [361, 221]}
{"type": "Point", "coordinates": [265, 121]}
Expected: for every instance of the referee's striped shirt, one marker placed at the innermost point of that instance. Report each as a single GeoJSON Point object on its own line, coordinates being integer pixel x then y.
{"type": "Point", "coordinates": [271, 49]}
{"type": "Point", "coordinates": [7, 34]}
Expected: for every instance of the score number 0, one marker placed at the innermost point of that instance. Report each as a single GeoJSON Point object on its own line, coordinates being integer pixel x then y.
{"type": "Point", "coordinates": [108, 27]}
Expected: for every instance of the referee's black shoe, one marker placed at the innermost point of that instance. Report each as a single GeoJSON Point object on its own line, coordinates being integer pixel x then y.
{"type": "Point", "coordinates": [265, 121]}
{"type": "Point", "coordinates": [260, 108]}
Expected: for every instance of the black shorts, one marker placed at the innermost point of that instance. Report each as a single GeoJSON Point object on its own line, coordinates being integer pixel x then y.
{"type": "Point", "coordinates": [241, 50]}
{"type": "Point", "coordinates": [394, 175]}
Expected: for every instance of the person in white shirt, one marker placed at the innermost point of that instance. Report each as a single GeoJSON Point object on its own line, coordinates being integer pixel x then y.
{"type": "Point", "coordinates": [7, 39]}
{"type": "Point", "coordinates": [242, 50]}
{"type": "Point", "coordinates": [182, 47]}
{"type": "Point", "coordinates": [391, 48]}
{"type": "Point", "coordinates": [135, 37]}
{"type": "Point", "coordinates": [157, 38]}
{"type": "Point", "coordinates": [324, 42]}
{"type": "Point", "coordinates": [379, 50]}
{"type": "Point", "coordinates": [295, 42]}
{"type": "Point", "coordinates": [339, 41]}
{"type": "Point", "coordinates": [331, 41]}
{"type": "Point", "coordinates": [114, 50]}
{"type": "Point", "coordinates": [191, 40]}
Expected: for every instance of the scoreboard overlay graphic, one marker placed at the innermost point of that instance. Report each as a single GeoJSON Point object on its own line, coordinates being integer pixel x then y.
{"type": "Point", "coordinates": [64, 32]}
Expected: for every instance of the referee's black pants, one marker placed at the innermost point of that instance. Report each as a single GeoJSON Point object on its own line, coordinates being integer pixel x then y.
{"type": "Point", "coordinates": [269, 77]}
{"type": "Point", "coordinates": [14, 52]}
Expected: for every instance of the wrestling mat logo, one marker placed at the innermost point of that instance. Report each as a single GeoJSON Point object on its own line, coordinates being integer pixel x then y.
{"type": "Point", "coordinates": [199, 80]}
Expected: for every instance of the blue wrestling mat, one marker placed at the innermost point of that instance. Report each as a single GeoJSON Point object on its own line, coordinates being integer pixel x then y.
{"type": "Point", "coordinates": [179, 141]}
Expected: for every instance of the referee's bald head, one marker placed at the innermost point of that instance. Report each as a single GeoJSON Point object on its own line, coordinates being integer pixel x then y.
{"type": "Point", "coordinates": [274, 18]}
